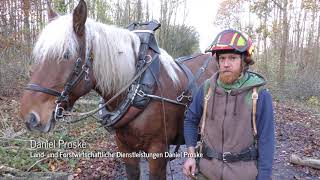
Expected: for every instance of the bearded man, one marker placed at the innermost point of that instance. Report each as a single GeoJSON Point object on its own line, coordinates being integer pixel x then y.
{"type": "Point", "coordinates": [237, 132]}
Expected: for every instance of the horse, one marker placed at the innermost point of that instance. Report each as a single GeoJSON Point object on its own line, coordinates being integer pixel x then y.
{"type": "Point", "coordinates": [101, 57]}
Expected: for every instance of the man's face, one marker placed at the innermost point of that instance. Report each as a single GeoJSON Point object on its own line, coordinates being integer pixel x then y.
{"type": "Point", "coordinates": [230, 67]}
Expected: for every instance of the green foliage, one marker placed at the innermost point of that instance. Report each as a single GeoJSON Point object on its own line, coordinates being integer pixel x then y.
{"type": "Point", "coordinates": [15, 155]}
{"type": "Point", "coordinates": [18, 153]}
{"type": "Point", "coordinates": [102, 12]}
{"type": "Point", "coordinates": [60, 6]}
{"type": "Point", "coordinates": [313, 100]}
{"type": "Point", "coordinates": [182, 40]}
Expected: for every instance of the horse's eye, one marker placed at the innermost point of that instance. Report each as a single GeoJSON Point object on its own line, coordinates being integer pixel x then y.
{"type": "Point", "coordinates": [66, 55]}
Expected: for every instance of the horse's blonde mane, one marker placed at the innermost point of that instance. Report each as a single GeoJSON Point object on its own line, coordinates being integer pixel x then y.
{"type": "Point", "coordinates": [114, 51]}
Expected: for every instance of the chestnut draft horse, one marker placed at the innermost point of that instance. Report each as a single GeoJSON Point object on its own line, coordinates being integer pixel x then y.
{"type": "Point", "coordinates": [107, 56]}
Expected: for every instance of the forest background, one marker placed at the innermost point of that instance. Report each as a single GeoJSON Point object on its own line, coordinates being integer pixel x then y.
{"type": "Point", "coordinates": [286, 35]}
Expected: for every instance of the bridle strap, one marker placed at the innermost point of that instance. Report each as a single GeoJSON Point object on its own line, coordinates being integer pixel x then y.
{"type": "Point", "coordinates": [80, 70]}
{"type": "Point", "coordinates": [71, 83]}
{"type": "Point", "coordinates": [35, 87]}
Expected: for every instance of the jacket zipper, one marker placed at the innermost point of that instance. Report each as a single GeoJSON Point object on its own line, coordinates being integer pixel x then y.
{"type": "Point", "coordinates": [224, 118]}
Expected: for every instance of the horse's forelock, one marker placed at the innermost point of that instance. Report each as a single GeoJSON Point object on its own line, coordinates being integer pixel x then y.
{"type": "Point", "coordinates": [56, 41]}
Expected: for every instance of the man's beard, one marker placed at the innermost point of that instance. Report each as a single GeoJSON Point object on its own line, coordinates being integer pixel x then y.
{"type": "Point", "coordinates": [229, 77]}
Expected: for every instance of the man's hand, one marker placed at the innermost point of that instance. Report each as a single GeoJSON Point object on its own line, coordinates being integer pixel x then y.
{"type": "Point", "coordinates": [189, 167]}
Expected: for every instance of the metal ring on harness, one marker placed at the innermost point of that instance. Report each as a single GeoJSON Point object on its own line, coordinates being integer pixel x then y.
{"type": "Point", "coordinates": [141, 93]}
{"type": "Point", "coordinates": [179, 98]}
{"type": "Point", "coordinates": [148, 58]}
{"type": "Point", "coordinates": [58, 113]}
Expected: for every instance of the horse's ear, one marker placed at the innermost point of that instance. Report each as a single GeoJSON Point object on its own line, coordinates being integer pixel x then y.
{"type": "Point", "coordinates": [79, 18]}
{"type": "Point", "coordinates": [51, 13]}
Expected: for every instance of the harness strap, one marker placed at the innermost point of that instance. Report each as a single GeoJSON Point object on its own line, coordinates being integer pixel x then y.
{"type": "Point", "coordinates": [202, 69]}
{"type": "Point", "coordinates": [37, 88]}
{"type": "Point", "coordinates": [187, 58]}
{"type": "Point", "coordinates": [159, 98]}
{"type": "Point", "coordinates": [192, 85]}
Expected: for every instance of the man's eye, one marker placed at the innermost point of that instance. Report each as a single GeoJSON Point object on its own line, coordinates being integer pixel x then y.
{"type": "Point", "coordinates": [234, 58]}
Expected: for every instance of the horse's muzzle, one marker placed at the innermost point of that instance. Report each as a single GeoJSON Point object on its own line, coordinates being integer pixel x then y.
{"type": "Point", "coordinates": [32, 122]}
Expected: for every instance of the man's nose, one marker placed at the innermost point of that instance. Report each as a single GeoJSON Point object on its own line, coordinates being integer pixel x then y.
{"type": "Point", "coordinates": [226, 64]}
{"type": "Point", "coordinates": [32, 121]}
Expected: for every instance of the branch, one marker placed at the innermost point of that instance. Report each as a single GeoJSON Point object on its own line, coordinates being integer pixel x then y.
{"type": "Point", "coordinates": [36, 163]}
{"type": "Point", "coordinates": [12, 173]}
{"type": "Point", "coordinates": [314, 163]}
{"type": "Point", "coordinates": [279, 5]}
{"type": "Point", "coordinates": [6, 169]}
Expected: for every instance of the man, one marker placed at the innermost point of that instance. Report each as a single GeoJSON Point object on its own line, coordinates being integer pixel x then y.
{"type": "Point", "coordinates": [237, 142]}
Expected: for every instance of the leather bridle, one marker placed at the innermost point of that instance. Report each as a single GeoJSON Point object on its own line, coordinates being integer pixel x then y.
{"type": "Point", "coordinates": [80, 71]}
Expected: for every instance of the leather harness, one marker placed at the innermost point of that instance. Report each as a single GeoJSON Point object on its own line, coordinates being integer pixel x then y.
{"type": "Point", "coordinates": [141, 92]}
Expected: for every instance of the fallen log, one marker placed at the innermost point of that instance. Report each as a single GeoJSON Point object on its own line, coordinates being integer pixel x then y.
{"type": "Point", "coordinates": [16, 174]}
{"type": "Point", "coordinates": [314, 163]}
{"type": "Point", "coordinates": [5, 169]}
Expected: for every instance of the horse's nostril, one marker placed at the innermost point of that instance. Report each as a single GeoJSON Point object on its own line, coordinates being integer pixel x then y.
{"type": "Point", "coordinates": [33, 121]}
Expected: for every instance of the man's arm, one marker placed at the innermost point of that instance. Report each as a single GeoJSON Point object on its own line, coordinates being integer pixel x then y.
{"type": "Point", "coordinates": [266, 135]}
{"type": "Point", "coordinates": [191, 123]}
{"type": "Point", "coordinates": [192, 119]}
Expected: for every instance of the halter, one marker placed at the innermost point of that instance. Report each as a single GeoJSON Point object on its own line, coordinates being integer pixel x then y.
{"type": "Point", "coordinates": [79, 72]}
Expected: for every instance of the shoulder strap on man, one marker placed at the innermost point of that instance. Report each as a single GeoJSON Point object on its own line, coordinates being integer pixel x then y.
{"type": "Point", "coordinates": [204, 115]}
{"type": "Point", "coordinates": [206, 86]}
{"type": "Point", "coordinates": [255, 97]}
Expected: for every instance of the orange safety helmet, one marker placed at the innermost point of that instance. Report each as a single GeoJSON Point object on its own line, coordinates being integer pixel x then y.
{"type": "Point", "coordinates": [233, 40]}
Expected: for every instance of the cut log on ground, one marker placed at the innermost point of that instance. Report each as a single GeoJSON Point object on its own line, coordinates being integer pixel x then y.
{"type": "Point", "coordinates": [16, 174]}
{"type": "Point", "coordinates": [314, 163]}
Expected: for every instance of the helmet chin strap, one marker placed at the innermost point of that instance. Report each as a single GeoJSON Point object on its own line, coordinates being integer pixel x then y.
{"type": "Point", "coordinates": [244, 65]}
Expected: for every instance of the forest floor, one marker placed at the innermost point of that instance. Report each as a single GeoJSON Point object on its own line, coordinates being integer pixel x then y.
{"type": "Point", "coordinates": [297, 132]}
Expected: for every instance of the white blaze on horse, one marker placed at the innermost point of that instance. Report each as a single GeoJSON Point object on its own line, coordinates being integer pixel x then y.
{"type": "Point", "coordinates": [75, 54]}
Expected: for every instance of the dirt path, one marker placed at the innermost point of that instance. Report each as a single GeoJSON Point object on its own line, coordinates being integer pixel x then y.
{"type": "Point", "coordinates": [297, 131]}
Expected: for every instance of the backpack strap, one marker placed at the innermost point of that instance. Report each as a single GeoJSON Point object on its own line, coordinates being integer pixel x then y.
{"type": "Point", "coordinates": [204, 115]}
{"type": "Point", "coordinates": [206, 86]}
{"type": "Point", "coordinates": [255, 97]}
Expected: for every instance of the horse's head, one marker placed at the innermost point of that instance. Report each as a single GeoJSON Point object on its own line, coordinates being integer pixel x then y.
{"type": "Point", "coordinates": [62, 72]}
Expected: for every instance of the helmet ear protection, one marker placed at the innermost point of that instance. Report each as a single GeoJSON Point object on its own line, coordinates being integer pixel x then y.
{"type": "Point", "coordinates": [233, 40]}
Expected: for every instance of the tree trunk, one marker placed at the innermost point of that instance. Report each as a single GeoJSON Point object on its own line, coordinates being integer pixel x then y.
{"type": "Point", "coordinates": [27, 39]}
{"type": "Point", "coordinates": [301, 42]}
{"type": "Point", "coordinates": [318, 43]}
{"type": "Point", "coordinates": [285, 34]}
{"type": "Point", "coordinates": [265, 36]}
